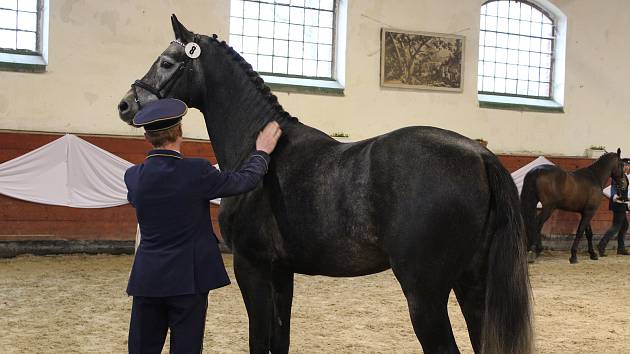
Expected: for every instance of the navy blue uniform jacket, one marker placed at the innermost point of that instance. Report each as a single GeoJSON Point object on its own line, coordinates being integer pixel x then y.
{"type": "Point", "coordinates": [621, 193]}
{"type": "Point", "coordinates": [178, 252]}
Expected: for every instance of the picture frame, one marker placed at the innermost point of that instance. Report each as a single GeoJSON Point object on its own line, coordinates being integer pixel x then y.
{"type": "Point", "coordinates": [422, 60]}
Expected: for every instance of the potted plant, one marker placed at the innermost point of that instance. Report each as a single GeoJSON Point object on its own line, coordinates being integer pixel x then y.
{"type": "Point", "coordinates": [595, 151]}
{"type": "Point", "coordinates": [341, 136]}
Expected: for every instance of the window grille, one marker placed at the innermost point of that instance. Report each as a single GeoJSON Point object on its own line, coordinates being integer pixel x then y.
{"type": "Point", "coordinates": [19, 26]}
{"type": "Point", "coordinates": [294, 38]}
{"type": "Point", "coordinates": [516, 50]}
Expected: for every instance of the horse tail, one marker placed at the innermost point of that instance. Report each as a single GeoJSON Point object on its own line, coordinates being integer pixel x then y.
{"type": "Point", "coordinates": [508, 314]}
{"type": "Point", "coordinates": [529, 202]}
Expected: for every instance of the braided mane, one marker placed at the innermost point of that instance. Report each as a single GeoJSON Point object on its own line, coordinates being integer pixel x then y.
{"type": "Point", "coordinates": [255, 78]}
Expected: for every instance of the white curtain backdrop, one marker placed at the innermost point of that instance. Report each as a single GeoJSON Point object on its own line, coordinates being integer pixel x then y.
{"type": "Point", "coordinates": [69, 172]}
{"type": "Point", "coordinates": [519, 175]}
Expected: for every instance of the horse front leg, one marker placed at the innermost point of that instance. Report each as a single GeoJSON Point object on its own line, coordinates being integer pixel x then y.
{"type": "Point", "coordinates": [254, 281]}
{"type": "Point", "coordinates": [589, 238]}
{"type": "Point", "coordinates": [267, 291]}
{"type": "Point", "coordinates": [584, 222]}
{"type": "Point", "coordinates": [282, 288]}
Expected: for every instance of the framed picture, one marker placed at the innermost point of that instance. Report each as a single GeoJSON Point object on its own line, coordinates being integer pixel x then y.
{"type": "Point", "coordinates": [422, 60]}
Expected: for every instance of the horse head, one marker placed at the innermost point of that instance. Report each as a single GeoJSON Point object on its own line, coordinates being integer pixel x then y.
{"type": "Point", "coordinates": [211, 76]}
{"type": "Point", "coordinates": [175, 73]}
{"type": "Point", "coordinates": [617, 170]}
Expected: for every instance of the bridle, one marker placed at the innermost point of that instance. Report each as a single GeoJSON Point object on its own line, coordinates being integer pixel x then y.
{"type": "Point", "coordinates": [163, 90]}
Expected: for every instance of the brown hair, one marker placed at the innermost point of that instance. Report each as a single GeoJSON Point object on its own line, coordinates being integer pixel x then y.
{"type": "Point", "coordinates": [162, 137]}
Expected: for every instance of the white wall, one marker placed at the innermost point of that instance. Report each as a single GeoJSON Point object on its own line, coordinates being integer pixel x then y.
{"type": "Point", "coordinates": [98, 48]}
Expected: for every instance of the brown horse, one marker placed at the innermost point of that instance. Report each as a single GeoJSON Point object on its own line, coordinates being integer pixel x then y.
{"type": "Point", "coordinates": [579, 191]}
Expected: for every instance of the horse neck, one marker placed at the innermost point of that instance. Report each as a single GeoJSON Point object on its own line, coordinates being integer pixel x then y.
{"type": "Point", "coordinates": [235, 109]}
{"type": "Point", "coordinates": [602, 169]}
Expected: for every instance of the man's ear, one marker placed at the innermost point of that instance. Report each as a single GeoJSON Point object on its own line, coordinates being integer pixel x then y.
{"type": "Point", "coordinates": [181, 33]}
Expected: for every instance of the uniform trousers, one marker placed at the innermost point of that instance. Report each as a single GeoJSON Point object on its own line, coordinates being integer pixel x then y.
{"type": "Point", "coordinates": [618, 228]}
{"type": "Point", "coordinates": [151, 317]}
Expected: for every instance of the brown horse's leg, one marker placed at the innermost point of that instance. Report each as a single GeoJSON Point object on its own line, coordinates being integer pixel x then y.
{"type": "Point", "coordinates": [586, 220]}
{"type": "Point", "coordinates": [589, 238]}
{"type": "Point", "coordinates": [542, 217]}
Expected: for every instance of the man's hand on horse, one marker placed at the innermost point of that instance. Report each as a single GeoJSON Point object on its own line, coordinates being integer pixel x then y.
{"type": "Point", "coordinates": [268, 137]}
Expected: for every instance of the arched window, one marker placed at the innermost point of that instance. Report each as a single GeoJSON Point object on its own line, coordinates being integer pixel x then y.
{"type": "Point", "coordinates": [517, 48]}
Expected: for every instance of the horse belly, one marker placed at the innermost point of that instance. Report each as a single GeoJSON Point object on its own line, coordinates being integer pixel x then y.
{"type": "Point", "coordinates": [338, 257]}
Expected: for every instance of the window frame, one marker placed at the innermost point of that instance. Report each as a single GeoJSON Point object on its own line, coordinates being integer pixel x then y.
{"type": "Point", "coordinates": [24, 60]}
{"type": "Point", "coordinates": [318, 85]}
{"type": "Point", "coordinates": [555, 101]}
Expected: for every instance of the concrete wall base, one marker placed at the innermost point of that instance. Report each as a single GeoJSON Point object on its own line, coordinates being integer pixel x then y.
{"type": "Point", "coordinates": [564, 242]}
{"type": "Point", "coordinates": [9, 249]}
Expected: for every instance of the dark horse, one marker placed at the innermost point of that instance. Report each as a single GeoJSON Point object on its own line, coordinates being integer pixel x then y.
{"type": "Point", "coordinates": [579, 191]}
{"type": "Point", "coordinates": [436, 207]}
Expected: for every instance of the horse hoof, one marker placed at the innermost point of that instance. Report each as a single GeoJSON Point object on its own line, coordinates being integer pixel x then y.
{"type": "Point", "coordinates": [594, 256]}
{"type": "Point", "coordinates": [602, 251]}
{"type": "Point", "coordinates": [531, 257]}
{"type": "Point", "coordinates": [623, 252]}
{"type": "Point", "coordinates": [573, 260]}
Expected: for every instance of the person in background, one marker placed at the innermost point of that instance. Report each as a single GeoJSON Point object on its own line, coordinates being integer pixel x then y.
{"type": "Point", "coordinates": [619, 206]}
{"type": "Point", "coordinates": [178, 260]}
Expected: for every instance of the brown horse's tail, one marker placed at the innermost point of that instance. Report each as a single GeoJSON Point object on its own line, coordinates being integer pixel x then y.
{"type": "Point", "coordinates": [508, 315]}
{"type": "Point", "coordinates": [529, 202]}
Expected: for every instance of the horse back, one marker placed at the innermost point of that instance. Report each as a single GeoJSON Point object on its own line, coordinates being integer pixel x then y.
{"type": "Point", "coordinates": [331, 202]}
{"type": "Point", "coordinates": [565, 190]}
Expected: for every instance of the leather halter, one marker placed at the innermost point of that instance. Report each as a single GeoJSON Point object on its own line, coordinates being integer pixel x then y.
{"type": "Point", "coordinates": [165, 87]}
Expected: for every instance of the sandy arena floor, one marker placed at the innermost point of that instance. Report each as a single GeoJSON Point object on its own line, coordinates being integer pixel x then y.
{"type": "Point", "coordinates": [77, 304]}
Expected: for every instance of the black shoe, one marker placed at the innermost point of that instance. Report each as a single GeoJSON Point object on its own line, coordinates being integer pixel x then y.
{"type": "Point", "coordinates": [623, 252]}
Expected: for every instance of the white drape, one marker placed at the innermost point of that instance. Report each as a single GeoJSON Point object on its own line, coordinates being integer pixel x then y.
{"type": "Point", "coordinates": [69, 172]}
{"type": "Point", "coordinates": [519, 175]}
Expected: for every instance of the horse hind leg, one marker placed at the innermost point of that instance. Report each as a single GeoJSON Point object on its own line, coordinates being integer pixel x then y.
{"type": "Point", "coordinates": [470, 290]}
{"type": "Point", "coordinates": [542, 218]}
{"type": "Point", "coordinates": [427, 299]}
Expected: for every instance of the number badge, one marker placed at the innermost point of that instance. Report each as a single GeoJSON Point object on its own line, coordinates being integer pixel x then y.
{"type": "Point", "coordinates": [193, 50]}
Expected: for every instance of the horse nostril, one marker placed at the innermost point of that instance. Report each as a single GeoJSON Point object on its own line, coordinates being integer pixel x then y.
{"type": "Point", "coordinates": [123, 106]}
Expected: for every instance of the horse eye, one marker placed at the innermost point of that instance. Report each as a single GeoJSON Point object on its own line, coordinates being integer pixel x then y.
{"type": "Point", "coordinates": [166, 64]}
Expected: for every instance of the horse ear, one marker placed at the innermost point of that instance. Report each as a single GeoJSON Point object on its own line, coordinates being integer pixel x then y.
{"type": "Point", "coordinates": [619, 152]}
{"type": "Point", "coordinates": [181, 33]}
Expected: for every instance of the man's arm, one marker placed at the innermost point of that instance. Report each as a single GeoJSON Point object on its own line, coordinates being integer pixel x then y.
{"type": "Point", "coordinates": [217, 184]}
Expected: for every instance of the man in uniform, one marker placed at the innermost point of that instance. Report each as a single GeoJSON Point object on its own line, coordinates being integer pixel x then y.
{"type": "Point", "coordinates": [618, 204]}
{"type": "Point", "coordinates": [178, 259]}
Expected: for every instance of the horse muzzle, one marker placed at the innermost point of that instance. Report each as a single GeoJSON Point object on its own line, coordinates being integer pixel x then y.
{"type": "Point", "coordinates": [128, 107]}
